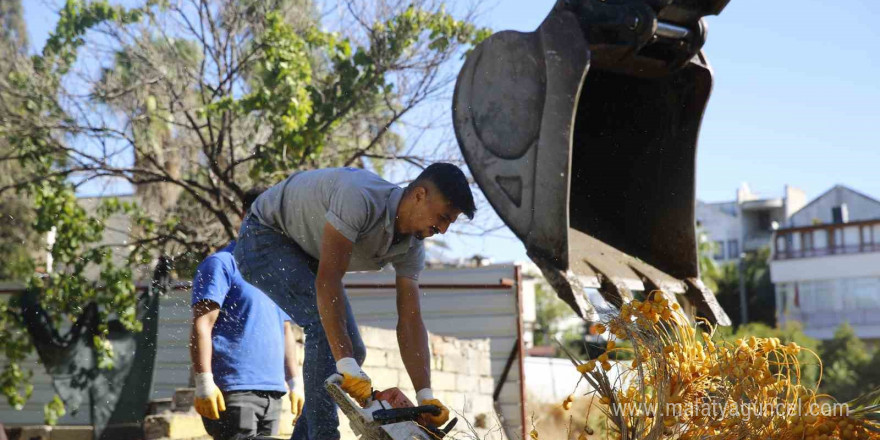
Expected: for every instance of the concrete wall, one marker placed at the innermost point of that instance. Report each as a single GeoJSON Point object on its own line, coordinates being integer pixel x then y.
{"type": "Point", "coordinates": [859, 206]}
{"type": "Point", "coordinates": [825, 268]}
{"type": "Point", "coordinates": [461, 372]}
{"type": "Point", "coordinates": [720, 222]}
{"type": "Point", "coordinates": [795, 200]}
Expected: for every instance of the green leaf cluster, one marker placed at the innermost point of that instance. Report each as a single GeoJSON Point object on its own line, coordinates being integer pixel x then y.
{"type": "Point", "coordinates": [850, 365]}
{"type": "Point", "coordinates": [303, 106]}
{"type": "Point", "coordinates": [75, 19]}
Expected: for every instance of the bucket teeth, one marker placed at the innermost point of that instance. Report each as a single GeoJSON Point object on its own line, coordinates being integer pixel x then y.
{"type": "Point", "coordinates": [570, 287]}
{"type": "Point", "coordinates": [616, 275]}
{"type": "Point", "coordinates": [613, 290]}
{"type": "Point", "coordinates": [705, 302]}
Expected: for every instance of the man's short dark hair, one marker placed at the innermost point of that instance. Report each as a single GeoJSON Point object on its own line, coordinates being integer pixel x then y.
{"type": "Point", "coordinates": [452, 183]}
{"type": "Point", "coordinates": [250, 196]}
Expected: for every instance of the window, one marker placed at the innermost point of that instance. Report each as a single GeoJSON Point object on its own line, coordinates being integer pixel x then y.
{"type": "Point", "coordinates": [860, 294]}
{"type": "Point", "coordinates": [794, 242]}
{"type": "Point", "coordinates": [719, 250]}
{"type": "Point", "coordinates": [732, 249]}
{"type": "Point", "coordinates": [781, 244]}
{"type": "Point", "coordinates": [839, 214]}
{"type": "Point", "coordinates": [764, 221]}
{"type": "Point", "coordinates": [785, 296]}
{"type": "Point", "coordinates": [851, 236]}
{"type": "Point", "coordinates": [819, 296]}
{"type": "Point", "coordinates": [865, 232]}
{"type": "Point", "coordinates": [820, 239]}
{"type": "Point", "coordinates": [807, 238]}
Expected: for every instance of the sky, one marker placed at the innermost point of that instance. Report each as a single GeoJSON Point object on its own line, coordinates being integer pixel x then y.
{"type": "Point", "coordinates": [795, 99]}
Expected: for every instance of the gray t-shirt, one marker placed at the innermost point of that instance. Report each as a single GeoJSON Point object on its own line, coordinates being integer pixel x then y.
{"type": "Point", "coordinates": [359, 204]}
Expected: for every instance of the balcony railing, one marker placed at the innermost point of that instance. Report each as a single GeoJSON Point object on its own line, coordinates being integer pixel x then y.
{"type": "Point", "coordinates": [824, 240]}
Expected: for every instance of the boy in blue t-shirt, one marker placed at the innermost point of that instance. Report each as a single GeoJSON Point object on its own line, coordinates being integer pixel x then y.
{"type": "Point", "coordinates": [242, 350]}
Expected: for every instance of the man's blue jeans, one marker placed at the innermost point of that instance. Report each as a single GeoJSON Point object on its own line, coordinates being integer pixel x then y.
{"type": "Point", "coordinates": [276, 265]}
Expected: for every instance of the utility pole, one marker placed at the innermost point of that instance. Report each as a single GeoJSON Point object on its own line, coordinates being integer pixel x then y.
{"type": "Point", "coordinates": [743, 303]}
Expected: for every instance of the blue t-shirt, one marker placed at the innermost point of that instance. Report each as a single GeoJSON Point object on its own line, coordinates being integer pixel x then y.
{"type": "Point", "coordinates": [248, 336]}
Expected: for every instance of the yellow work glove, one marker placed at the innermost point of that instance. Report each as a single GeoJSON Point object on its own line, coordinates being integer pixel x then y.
{"type": "Point", "coordinates": [296, 397]}
{"type": "Point", "coordinates": [208, 399]}
{"type": "Point", "coordinates": [354, 381]}
{"type": "Point", "coordinates": [426, 397]}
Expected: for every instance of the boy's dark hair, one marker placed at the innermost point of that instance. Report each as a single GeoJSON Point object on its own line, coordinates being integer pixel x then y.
{"type": "Point", "coordinates": [452, 183]}
{"type": "Point", "coordinates": [250, 196]}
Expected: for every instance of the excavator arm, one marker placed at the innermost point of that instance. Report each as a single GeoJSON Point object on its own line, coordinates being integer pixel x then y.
{"type": "Point", "coordinates": [583, 137]}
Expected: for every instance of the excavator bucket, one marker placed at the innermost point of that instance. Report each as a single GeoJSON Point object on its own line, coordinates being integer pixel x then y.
{"type": "Point", "coordinates": [583, 137]}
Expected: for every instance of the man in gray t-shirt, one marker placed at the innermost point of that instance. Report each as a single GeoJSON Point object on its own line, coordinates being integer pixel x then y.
{"type": "Point", "coordinates": [357, 203]}
{"type": "Point", "coordinates": [302, 236]}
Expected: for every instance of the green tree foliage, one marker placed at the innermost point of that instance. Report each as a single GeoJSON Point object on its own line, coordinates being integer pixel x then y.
{"type": "Point", "coordinates": [65, 291]}
{"type": "Point", "coordinates": [846, 361]}
{"type": "Point", "coordinates": [195, 102]}
{"type": "Point", "coordinates": [709, 270]}
{"type": "Point", "coordinates": [760, 296]}
{"type": "Point", "coordinates": [869, 377]}
{"type": "Point", "coordinates": [146, 105]}
{"type": "Point", "coordinates": [13, 30]}
{"type": "Point", "coordinates": [849, 366]}
{"type": "Point", "coordinates": [17, 241]}
{"type": "Point", "coordinates": [549, 312]}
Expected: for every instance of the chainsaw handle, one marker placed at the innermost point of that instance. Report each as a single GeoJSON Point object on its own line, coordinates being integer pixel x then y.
{"type": "Point", "coordinates": [433, 410]}
{"type": "Point", "coordinates": [394, 415]}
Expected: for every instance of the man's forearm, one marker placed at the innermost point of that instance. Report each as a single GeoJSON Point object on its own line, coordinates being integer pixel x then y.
{"type": "Point", "coordinates": [205, 314]}
{"type": "Point", "coordinates": [200, 350]}
{"type": "Point", "coordinates": [331, 308]}
{"type": "Point", "coordinates": [413, 340]}
{"type": "Point", "coordinates": [290, 355]}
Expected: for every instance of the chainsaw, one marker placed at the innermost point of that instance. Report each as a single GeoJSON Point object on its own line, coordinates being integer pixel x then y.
{"type": "Point", "coordinates": [386, 415]}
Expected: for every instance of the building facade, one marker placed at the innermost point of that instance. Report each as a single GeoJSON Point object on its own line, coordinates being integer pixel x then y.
{"type": "Point", "coordinates": [746, 223]}
{"type": "Point", "coordinates": [826, 265]}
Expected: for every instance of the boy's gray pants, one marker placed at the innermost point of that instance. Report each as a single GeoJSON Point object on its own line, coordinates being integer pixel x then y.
{"type": "Point", "coordinates": [247, 413]}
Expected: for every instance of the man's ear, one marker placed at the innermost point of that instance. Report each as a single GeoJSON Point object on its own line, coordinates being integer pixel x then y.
{"type": "Point", "coordinates": [420, 193]}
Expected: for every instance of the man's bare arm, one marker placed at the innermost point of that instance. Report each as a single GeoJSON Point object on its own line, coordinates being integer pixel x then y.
{"type": "Point", "coordinates": [205, 314]}
{"type": "Point", "coordinates": [290, 356]}
{"type": "Point", "coordinates": [411, 333]}
{"type": "Point", "coordinates": [335, 256]}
